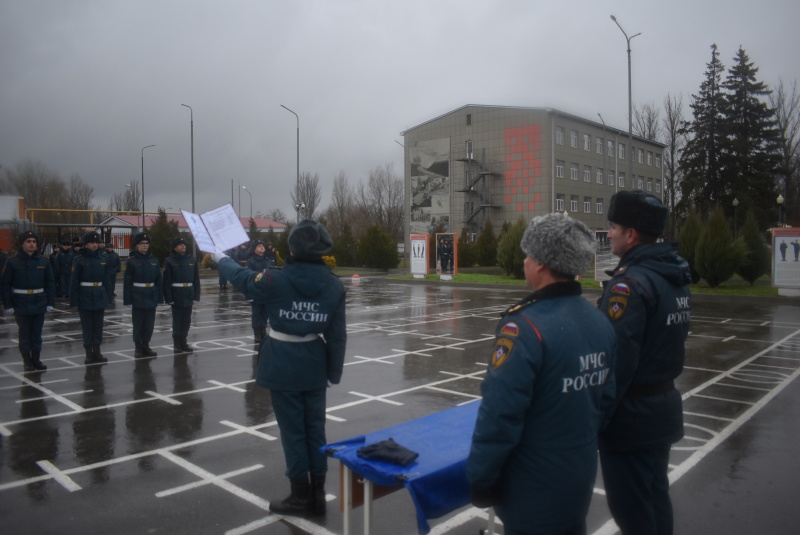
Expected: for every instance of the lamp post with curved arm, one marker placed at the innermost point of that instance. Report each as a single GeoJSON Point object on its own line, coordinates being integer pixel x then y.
{"type": "Point", "coordinates": [147, 147]}
{"type": "Point", "coordinates": [297, 201]}
{"type": "Point", "coordinates": [251, 200]}
{"type": "Point", "coordinates": [630, 105]}
{"type": "Point", "coordinates": [191, 134]}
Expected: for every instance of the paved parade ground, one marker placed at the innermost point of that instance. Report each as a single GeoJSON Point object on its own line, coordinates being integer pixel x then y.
{"type": "Point", "coordinates": [188, 443]}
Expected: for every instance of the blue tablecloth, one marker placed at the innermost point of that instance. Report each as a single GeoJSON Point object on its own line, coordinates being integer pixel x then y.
{"type": "Point", "coordinates": [437, 480]}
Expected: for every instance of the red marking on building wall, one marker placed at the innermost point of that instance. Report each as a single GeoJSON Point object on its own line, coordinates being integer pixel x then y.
{"type": "Point", "coordinates": [523, 166]}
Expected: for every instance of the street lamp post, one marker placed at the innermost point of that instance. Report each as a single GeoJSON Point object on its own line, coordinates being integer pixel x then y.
{"type": "Point", "coordinates": [735, 220]}
{"type": "Point", "coordinates": [779, 200]}
{"type": "Point", "coordinates": [191, 134]}
{"type": "Point", "coordinates": [147, 147]}
{"type": "Point", "coordinates": [251, 200]}
{"type": "Point", "coordinates": [630, 112]}
{"type": "Point", "coordinates": [297, 201]}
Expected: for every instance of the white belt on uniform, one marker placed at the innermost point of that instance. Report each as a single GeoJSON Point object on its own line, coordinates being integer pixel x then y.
{"type": "Point", "coordinates": [182, 284]}
{"type": "Point", "coordinates": [284, 337]}
{"type": "Point", "coordinates": [31, 291]}
{"type": "Point", "coordinates": [91, 284]}
{"type": "Point", "coordinates": [144, 284]}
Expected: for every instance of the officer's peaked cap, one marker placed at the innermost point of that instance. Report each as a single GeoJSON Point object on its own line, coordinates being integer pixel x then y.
{"type": "Point", "coordinates": [639, 210]}
{"type": "Point", "coordinates": [309, 240]}
{"type": "Point", "coordinates": [561, 243]}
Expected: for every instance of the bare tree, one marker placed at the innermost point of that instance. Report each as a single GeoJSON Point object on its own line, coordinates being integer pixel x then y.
{"type": "Point", "coordinates": [785, 101]}
{"type": "Point", "coordinates": [341, 209]}
{"type": "Point", "coordinates": [309, 194]}
{"type": "Point", "coordinates": [130, 199]}
{"type": "Point", "coordinates": [276, 214]}
{"type": "Point", "coordinates": [647, 121]}
{"type": "Point", "coordinates": [381, 199]}
{"type": "Point", "coordinates": [41, 188]}
{"type": "Point", "coordinates": [675, 140]}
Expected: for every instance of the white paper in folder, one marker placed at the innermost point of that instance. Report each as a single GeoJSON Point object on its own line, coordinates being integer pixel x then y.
{"type": "Point", "coordinates": [219, 228]}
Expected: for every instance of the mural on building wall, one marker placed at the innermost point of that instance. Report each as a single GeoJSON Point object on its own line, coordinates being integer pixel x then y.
{"type": "Point", "coordinates": [430, 185]}
{"type": "Point", "coordinates": [523, 167]}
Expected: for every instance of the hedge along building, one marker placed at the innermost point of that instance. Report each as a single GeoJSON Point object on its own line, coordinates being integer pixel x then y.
{"type": "Point", "coordinates": [479, 163]}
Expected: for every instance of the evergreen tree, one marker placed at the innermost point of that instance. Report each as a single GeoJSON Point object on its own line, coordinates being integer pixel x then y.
{"type": "Point", "coordinates": [162, 232]}
{"type": "Point", "coordinates": [466, 250]}
{"type": "Point", "coordinates": [702, 186]}
{"type": "Point", "coordinates": [378, 249]}
{"type": "Point", "coordinates": [345, 247]}
{"type": "Point", "coordinates": [757, 253]}
{"type": "Point", "coordinates": [509, 253]}
{"type": "Point", "coordinates": [751, 152]}
{"type": "Point", "coordinates": [486, 246]}
{"type": "Point", "coordinates": [718, 256]}
{"type": "Point", "coordinates": [253, 231]}
{"type": "Point", "coordinates": [282, 244]}
{"type": "Point", "coordinates": [688, 238]}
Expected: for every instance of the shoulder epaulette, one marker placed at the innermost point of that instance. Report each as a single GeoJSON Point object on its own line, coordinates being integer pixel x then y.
{"type": "Point", "coordinates": [519, 306]}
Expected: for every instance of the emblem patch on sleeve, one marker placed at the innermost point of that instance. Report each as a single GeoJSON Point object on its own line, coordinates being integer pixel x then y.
{"type": "Point", "coordinates": [259, 276]}
{"type": "Point", "coordinates": [501, 352]}
{"type": "Point", "coordinates": [616, 307]}
{"type": "Point", "coordinates": [621, 288]}
{"type": "Point", "coordinates": [509, 329]}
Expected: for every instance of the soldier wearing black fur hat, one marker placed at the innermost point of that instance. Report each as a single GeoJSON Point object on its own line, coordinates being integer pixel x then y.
{"type": "Point", "coordinates": [302, 355]}
{"type": "Point", "coordinates": [89, 294]}
{"type": "Point", "coordinates": [181, 290]}
{"type": "Point", "coordinates": [54, 265]}
{"type": "Point", "coordinates": [647, 301]}
{"type": "Point", "coordinates": [258, 262]}
{"type": "Point", "coordinates": [142, 293]}
{"type": "Point", "coordinates": [64, 267]}
{"type": "Point", "coordinates": [28, 291]}
{"type": "Point", "coordinates": [114, 267]}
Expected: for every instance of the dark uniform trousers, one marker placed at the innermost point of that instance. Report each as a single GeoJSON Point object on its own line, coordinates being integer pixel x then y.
{"type": "Point", "coordinates": [92, 326]}
{"type": "Point", "coordinates": [181, 320]}
{"type": "Point", "coordinates": [30, 332]}
{"type": "Point", "coordinates": [301, 419]}
{"type": "Point", "coordinates": [144, 320]}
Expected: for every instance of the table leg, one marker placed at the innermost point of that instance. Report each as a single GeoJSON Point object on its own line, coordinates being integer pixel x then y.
{"type": "Point", "coordinates": [367, 507]}
{"type": "Point", "coordinates": [347, 481]}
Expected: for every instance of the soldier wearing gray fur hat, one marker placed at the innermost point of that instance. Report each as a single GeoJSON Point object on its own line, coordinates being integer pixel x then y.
{"type": "Point", "coordinates": [549, 380]}
{"type": "Point", "coordinates": [648, 303]}
{"type": "Point", "coordinates": [28, 291]}
{"type": "Point", "coordinates": [301, 356]}
{"type": "Point", "coordinates": [181, 290]}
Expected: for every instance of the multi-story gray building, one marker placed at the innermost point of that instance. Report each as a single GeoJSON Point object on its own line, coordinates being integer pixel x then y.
{"type": "Point", "coordinates": [480, 163]}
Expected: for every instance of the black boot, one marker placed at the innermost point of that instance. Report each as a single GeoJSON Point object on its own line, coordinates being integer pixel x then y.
{"type": "Point", "coordinates": [89, 355]}
{"type": "Point", "coordinates": [139, 353]}
{"type": "Point", "coordinates": [147, 351]}
{"type": "Point", "coordinates": [297, 502]}
{"type": "Point", "coordinates": [37, 362]}
{"type": "Point", "coordinates": [185, 345]}
{"type": "Point", "coordinates": [176, 344]}
{"type": "Point", "coordinates": [98, 357]}
{"type": "Point", "coordinates": [27, 362]}
{"type": "Point", "coordinates": [318, 503]}
{"type": "Point", "coordinates": [257, 336]}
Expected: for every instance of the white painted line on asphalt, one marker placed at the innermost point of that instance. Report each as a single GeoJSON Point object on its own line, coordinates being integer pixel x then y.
{"type": "Point", "coordinates": [376, 398]}
{"type": "Point", "coordinates": [204, 482]}
{"type": "Point", "coordinates": [60, 477]}
{"type": "Point", "coordinates": [248, 430]}
{"type": "Point", "coordinates": [454, 392]}
{"type": "Point", "coordinates": [728, 339]}
{"type": "Point", "coordinates": [744, 387]}
{"type": "Point", "coordinates": [252, 526]}
{"type": "Point", "coordinates": [229, 387]}
{"type": "Point", "coordinates": [716, 398]}
{"type": "Point", "coordinates": [710, 416]}
{"type": "Point", "coordinates": [163, 397]}
{"type": "Point", "coordinates": [48, 397]}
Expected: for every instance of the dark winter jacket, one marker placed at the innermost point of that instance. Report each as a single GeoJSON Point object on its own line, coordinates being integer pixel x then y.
{"type": "Point", "coordinates": [142, 284]}
{"type": "Point", "coordinates": [32, 277]}
{"type": "Point", "coordinates": [89, 282]}
{"type": "Point", "coordinates": [181, 280]}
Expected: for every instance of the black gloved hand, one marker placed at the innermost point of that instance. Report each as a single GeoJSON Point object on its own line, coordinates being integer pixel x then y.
{"type": "Point", "coordinates": [484, 498]}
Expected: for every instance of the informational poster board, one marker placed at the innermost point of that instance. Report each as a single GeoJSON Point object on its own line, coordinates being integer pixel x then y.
{"type": "Point", "coordinates": [419, 255]}
{"type": "Point", "coordinates": [446, 255]}
{"type": "Point", "coordinates": [786, 257]}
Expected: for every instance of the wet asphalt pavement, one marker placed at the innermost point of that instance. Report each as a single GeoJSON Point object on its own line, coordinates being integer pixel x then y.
{"type": "Point", "coordinates": [188, 444]}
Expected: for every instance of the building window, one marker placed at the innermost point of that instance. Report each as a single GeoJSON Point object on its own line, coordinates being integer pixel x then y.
{"type": "Point", "coordinates": [599, 206]}
{"type": "Point", "coordinates": [640, 155]}
{"type": "Point", "coordinates": [611, 178]}
{"type": "Point", "coordinates": [559, 135]}
{"type": "Point", "coordinates": [573, 139]}
{"type": "Point", "coordinates": [610, 148]}
{"type": "Point", "coordinates": [649, 184]}
{"type": "Point", "coordinates": [587, 142]}
{"type": "Point", "coordinates": [587, 173]}
{"type": "Point", "coordinates": [560, 202]}
{"type": "Point", "coordinates": [599, 178]}
{"type": "Point", "coordinates": [587, 205]}
{"type": "Point", "coordinates": [573, 204]}
{"type": "Point", "coordinates": [649, 158]}
{"type": "Point", "coordinates": [658, 160]}
{"type": "Point", "coordinates": [622, 180]}
{"type": "Point", "coordinates": [640, 184]}
{"type": "Point", "coordinates": [621, 147]}
{"type": "Point", "coordinates": [559, 168]}
{"type": "Point", "coordinates": [599, 145]}
{"type": "Point", "coordinates": [469, 119]}
{"type": "Point", "coordinates": [573, 171]}
{"type": "Point", "coordinates": [658, 186]}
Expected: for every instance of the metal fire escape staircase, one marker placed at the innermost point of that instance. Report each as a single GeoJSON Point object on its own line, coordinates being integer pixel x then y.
{"type": "Point", "coordinates": [477, 176]}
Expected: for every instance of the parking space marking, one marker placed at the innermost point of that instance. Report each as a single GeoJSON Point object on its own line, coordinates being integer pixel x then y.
{"type": "Point", "coordinates": [60, 477]}
{"type": "Point", "coordinates": [249, 430]}
{"type": "Point", "coordinates": [204, 482]}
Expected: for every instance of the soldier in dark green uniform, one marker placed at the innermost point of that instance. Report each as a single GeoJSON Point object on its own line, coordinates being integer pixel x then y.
{"type": "Point", "coordinates": [28, 291]}
{"type": "Point", "coordinates": [181, 290]}
{"type": "Point", "coordinates": [258, 262]}
{"type": "Point", "coordinates": [302, 355]}
{"type": "Point", "coordinates": [114, 267]}
{"type": "Point", "coordinates": [89, 294]}
{"type": "Point", "coordinates": [142, 293]}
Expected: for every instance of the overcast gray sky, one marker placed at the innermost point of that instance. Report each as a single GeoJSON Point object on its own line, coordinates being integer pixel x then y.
{"type": "Point", "coordinates": [85, 84]}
